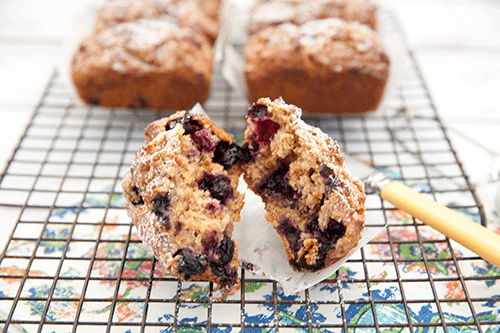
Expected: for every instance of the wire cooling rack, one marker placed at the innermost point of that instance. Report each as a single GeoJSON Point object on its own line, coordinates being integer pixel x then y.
{"type": "Point", "coordinates": [72, 263]}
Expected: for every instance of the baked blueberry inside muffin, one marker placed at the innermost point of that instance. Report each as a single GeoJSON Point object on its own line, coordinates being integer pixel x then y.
{"type": "Point", "coordinates": [312, 201]}
{"type": "Point", "coordinates": [182, 196]}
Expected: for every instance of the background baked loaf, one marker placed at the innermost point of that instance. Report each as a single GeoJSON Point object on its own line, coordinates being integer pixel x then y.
{"type": "Point", "coordinates": [143, 64]}
{"type": "Point", "coordinates": [324, 65]}
{"type": "Point", "coordinates": [276, 12]}
{"type": "Point", "coordinates": [154, 54]}
{"type": "Point", "coordinates": [184, 13]}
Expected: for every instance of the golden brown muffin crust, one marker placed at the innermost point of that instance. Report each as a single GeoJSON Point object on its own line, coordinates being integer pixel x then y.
{"type": "Point", "coordinates": [145, 63]}
{"type": "Point", "coordinates": [324, 65]}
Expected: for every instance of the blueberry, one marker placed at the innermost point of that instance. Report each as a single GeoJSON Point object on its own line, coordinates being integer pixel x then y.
{"type": "Point", "coordinates": [203, 141]}
{"type": "Point", "coordinates": [178, 227]}
{"type": "Point", "coordinates": [325, 239]}
{"type": "Point", "coordinates": [176, 121]}
{"type": "Point", "coordinates": [312, 227]}
{"type": "Point", "coordinates": [212, 207]}
{"type": "Point", "coordinates": [229, 277]}
{"type": "Point", "coordinates": [302, 264]}
{"type": "Point", "coordinates": [199, 134]}
{"type": "Point", "coordinates": [264, 128]}
{"type": "Point", "coordinates": [161, 203]}
{"type": "Point", "coordinates": [94, 101]}
{"type": "Point", "coordinates": [256, 111]}
{"type": "Point", "coordinates": [333, 232]}
{"type": "Point", "coordinates": [218, 252]}
{"type": "Point", "coordinates": [139, 102]}
{"type": "Point", "coordinates": [219, 256]}
{"type": "Point", "coordinates": [221, 189]}
{"type": "Point", "coordinates": [225, 250]}
{"type": "Point", "coordinates": [264, 131]}
{"type": "Point", "coordinates": [328, 237]}
{"type": "Point", "coordinates": [205, 182]}
{"type": "Point", "coordinates": [329, 179]}
{"type": "Point", "coordinates": [291, 233]}
{"type": "Point", "coordinates": [219, 186]}
{"type": "Point", "coordinates": [217, 268]}
{"type": "Point", "coordinates": [136, 199]}
{"type": "Point", "coordinates": [190, 125]}
{"type": "Point", "coordinates": [190, 263]}
{"type": "Point", "coordinates": [209, 243]}
{"type": "Point", "coordinates": [216, 255]}
{"type": "Point", "coordinates": [275, 185]}
{"type": "Point", "coordinates": [249, 151]}
{"type": "Point", "coordinates": [227, 154]}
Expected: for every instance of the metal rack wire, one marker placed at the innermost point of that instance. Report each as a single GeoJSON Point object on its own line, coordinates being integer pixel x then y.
{"type": "Point", "coordinates": [73, 262]}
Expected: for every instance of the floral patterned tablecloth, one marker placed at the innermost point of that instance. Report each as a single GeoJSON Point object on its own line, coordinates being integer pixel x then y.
{"type": "Point", "coordinates": [406, 275]}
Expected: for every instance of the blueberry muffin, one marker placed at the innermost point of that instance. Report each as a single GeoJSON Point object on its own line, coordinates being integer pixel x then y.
{"type": "Point", "coordinates": [181, 194]}
{"type": "Point", "coordinates": [148, 63]}
{"type": "Point", "coordinates": [312, 201]}
{"type": "Point", "coordinates": [325, 66]}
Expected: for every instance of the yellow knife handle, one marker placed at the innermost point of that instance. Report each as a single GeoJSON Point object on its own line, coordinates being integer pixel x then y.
{"type": "Point", "coordinates": [473, 236]}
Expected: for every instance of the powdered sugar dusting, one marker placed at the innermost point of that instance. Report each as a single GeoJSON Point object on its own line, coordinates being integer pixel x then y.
{"type": "Point", "coordinates": [274, 12]}
{"type": "Point", "coordinates": [298, 12]}
{"type": "Point", "coordinates": [331, 44]}
{"type": "Point", "coordinates": [169, 206]}
{"type": "Point", "coordinates": [147, 44]}
{"type": "Point", "coordinates": [326, 27]}
{"type": "Point", "coordinates": [138, 35]}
